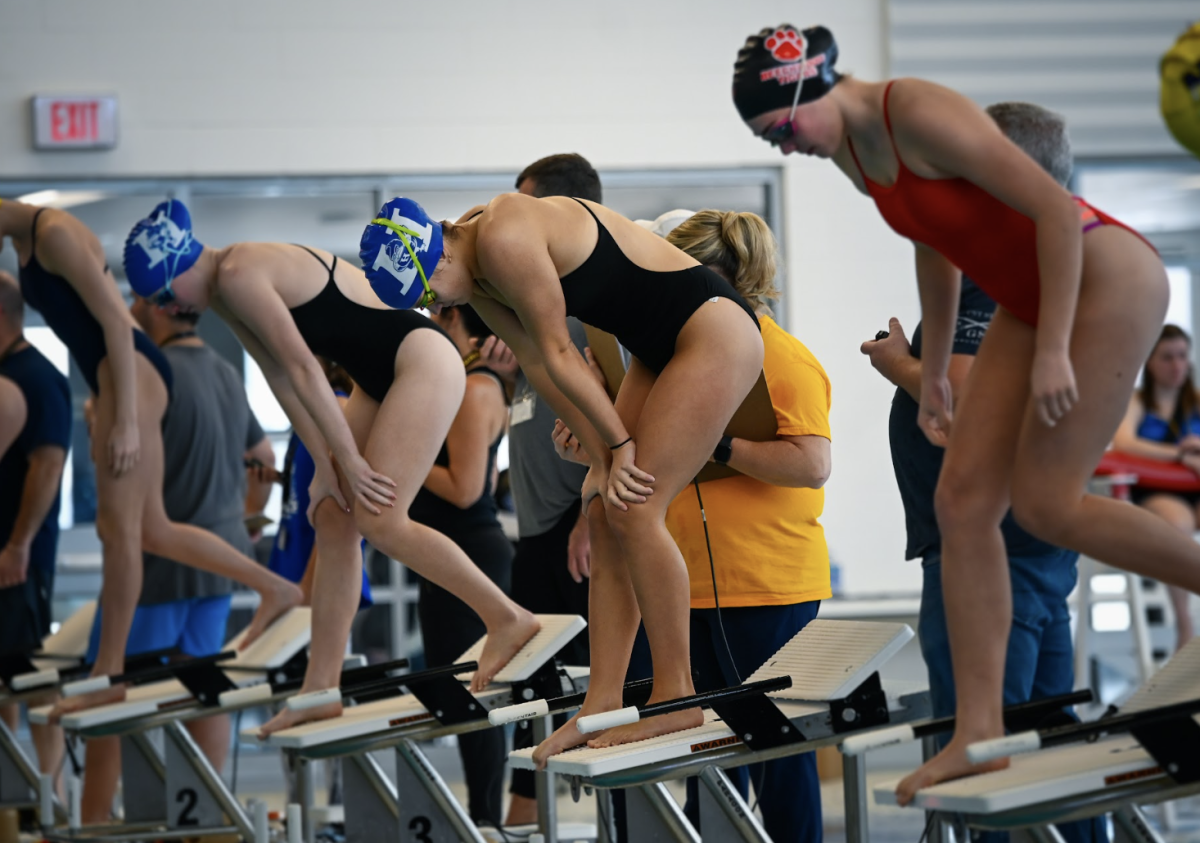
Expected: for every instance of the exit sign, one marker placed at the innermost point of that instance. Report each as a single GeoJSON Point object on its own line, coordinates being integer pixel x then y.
{"type": "Point", "coordinates": [75, 122]}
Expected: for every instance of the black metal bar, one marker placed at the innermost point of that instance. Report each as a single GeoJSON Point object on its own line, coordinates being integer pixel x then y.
{"type": "Point", "coordinates": [349, 678]}
{"type": "Point", "coordinates": [1117, 724]}
{"type": "Point", "coordinates": [634, 693]}
{"type": "Point", "coordinates": [403, 680]}
{"type": "Point", "coordinates": [707, 698]}
{"type": "Point", "coordinates": [167, 671]}
{"type": "Point", "coordinates": [1019, 717]}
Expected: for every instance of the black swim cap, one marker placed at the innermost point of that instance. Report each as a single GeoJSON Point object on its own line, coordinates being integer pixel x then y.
{"type": "Point", "coordinates": [769, 67]}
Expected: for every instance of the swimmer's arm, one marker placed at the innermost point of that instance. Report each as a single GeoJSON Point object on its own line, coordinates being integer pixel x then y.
{"type": "Point", "coordinates": [102, 299]}
{"type": "Point", "coordinates": [306, 428]}
{"type": "Point", "coordinates": [505, 324]}
{"type": "Point", "coordinates": [256, 304]}
{"type": "Point", "coordinates": [940, 285]}
{"type": "Point", "coordinates": [956, 136]}
{"type": "Point", "coordinates": [521, 268]}
{"type": "Point", "coordinates": [906, 374]}
{"type": "Point", "coordinates": [464, 480]}
{"type": "Point", "coordinates": [1127, 441]}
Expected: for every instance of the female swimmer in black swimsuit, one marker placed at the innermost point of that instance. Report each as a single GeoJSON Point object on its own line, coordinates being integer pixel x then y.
{"type": "Point", "coordinates": [64, 275]}
{"type": "Point", "coordinates": [286, 303]}
{"type": "Point", "coordinates": [525, 264]}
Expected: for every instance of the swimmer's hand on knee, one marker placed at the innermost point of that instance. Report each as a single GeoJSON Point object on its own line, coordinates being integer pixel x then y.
{"type": "Point", "coordinates": [324, 485]}
{"type": "Point", "coordinates": [936, 413]}
{"type": "Point", "coordinates": [626, 482]}
{"type": "Point", "coordinates": [1052, 384]}
{"type": "Point", "coordinates": [368, 485]}
{"type": "Point", "coordinates": [594, 485]}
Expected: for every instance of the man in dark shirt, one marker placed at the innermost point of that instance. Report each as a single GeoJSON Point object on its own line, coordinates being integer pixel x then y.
{"type": "Point", "coordinates": [1040, 661]}
{"type": "Point", "coordinates": [35, 434]}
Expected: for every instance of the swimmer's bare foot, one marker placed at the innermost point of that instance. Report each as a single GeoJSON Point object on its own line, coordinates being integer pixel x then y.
{"type": "Point", "coordinates": [565, 737]}
{"type": "Point", "coordinates": [276, 600]}
{"type": "Point", "coordinates": [950, 763]}
{"type": "Point", "coordinates": [286, 718]}
{"type": "Point", "coordinates": [70, 705]}
{"type": "Point", "coordinates": [651, 727]}
{"type": "Point", "coordinates": [502, 644]}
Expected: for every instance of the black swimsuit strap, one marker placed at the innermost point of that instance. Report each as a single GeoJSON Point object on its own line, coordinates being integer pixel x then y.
{"type": "Point", "coordinates": [320, 260]}
{"type": "Point", "coordinates": [590, 211]}
{"type": "Point", "coordinates": [33, 228]}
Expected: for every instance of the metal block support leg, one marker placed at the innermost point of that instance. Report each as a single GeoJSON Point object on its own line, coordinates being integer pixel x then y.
{"type": "Point", "coordinates": [652, 816]}
{"type": "Point", "coordinates": [937, 828]}
{"type": "Point", "coordinates": [547, 796]}
{"type": "Point", "coordinates": [306, 788]}
{"type": "Point", "coordinates": [143, 780]}
{"type": "Point", "coordinates": [724, 815]}
{"type": "Point", "coordinates": [196, 793]}
{"type": "Point", "coordinates": [429, 813]}
{"type": "Point", "coordinates": [18, 777]}
{"type": "Point", "coordinates": [854, 794]}
{"type": "Point", "coordinates": [371, 809]}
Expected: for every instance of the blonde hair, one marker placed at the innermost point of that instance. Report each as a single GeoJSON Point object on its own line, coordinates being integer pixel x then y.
{"type": "Point", "coordinates": [738, 245]}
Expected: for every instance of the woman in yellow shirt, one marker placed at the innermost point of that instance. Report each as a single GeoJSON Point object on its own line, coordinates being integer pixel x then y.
{"type": "Point", "coordinates": [769, 568]}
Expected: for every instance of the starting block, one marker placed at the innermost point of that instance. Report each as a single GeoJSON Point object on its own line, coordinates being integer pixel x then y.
{"type": "Point", "coordinates": [419, 802]}
{"type": "Point", "coordinates": [1155, 761]}
{"type": "Point", "coordinates": [28, 676]}
{"type": "Point", "coordinates": [835, 691]}
{"type": "Point", "coordinates": [177, 791]}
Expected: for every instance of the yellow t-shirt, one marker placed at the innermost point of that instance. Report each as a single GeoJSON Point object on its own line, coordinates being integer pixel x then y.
{"type": "Point", "coordinates": [768, 548]}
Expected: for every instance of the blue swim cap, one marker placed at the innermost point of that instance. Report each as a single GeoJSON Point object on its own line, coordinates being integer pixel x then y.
{"type": "Point", "coordinates": [399, 250]}
{"type": "Point", "coordinates": [160, 248]}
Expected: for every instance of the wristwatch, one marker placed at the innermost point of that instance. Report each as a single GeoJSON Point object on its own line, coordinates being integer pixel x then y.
{"type": "Point", "coordinates": [724, 450]}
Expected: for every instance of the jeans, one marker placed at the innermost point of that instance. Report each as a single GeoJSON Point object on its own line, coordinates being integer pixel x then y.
{"type": "Point", "coordinates": [788, 789]}
{"type": "Point", "coordinates": [1040, 659]}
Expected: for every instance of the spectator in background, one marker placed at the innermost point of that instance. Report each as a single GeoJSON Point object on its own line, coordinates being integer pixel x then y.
{"type": "Point", "coordinates": [35, 435]}
{"type": "Point", "coordinates": [457, 500]}
{"type": "Point", "coordinates": [1163, 423]}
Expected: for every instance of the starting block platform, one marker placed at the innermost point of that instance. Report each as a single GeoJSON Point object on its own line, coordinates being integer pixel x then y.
{"type": "Point", "coordinates": [20, 783]}
{"type": "Point", "coordinates": [827, 661]}
{"type": "Point", "coordinates": [61, 652]}
{"type": "Point", "coordinates": [418, 805]}
{"type": "Point", "coordinates": [835, 692]}
{"type": "Point", "coordinates": [333, 737]}
{"type": "Point", "coordinates": [1076, 780]}
{"type": "Point", "coordinates": [280, 643]}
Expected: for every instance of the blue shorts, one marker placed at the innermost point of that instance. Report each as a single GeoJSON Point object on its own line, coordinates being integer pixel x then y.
{"type": "Point", "coordinates": [196, 627]}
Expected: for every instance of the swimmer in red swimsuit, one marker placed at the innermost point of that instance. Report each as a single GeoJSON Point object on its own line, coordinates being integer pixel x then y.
{"type": "Point", "coordinates": [1082, 299]}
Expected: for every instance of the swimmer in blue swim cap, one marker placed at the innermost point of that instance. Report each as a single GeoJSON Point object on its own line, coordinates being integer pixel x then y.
{"type": "Point", "coordinates": [63, 274]}
{"type": "Point", "coordinates": [524, 265]}
{"type": "Point", "coordinates": [288, 303]}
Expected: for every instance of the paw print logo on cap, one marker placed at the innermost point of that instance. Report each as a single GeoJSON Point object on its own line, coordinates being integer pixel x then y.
{"type": "Point", "coordinates": [787, 45]}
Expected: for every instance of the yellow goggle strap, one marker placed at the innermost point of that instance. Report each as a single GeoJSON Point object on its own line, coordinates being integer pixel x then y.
{"type": "Point", "coordinates": [405, 233]}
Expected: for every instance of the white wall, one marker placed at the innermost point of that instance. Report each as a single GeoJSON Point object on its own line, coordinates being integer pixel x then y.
{"type": "Point", "coordinates": [266, 87]}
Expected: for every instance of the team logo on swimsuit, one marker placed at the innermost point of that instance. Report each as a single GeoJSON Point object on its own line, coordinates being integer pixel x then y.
{"type": "Point", "coordinates": [395, 259]}
{"type": "Point", "coordinates": [787, 45]}
{"type": "Point", "coordinates": [161, 237]}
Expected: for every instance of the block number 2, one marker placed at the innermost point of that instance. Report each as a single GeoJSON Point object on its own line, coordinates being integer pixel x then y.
{"type": "Point", "coordinates": [187, 796]}
{"type": "Point", "coordinates": [420, 827]}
